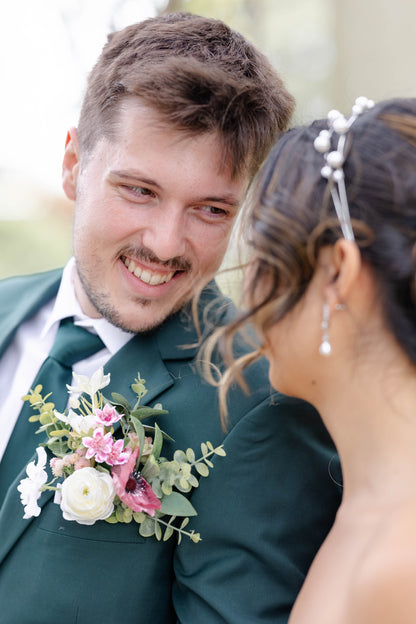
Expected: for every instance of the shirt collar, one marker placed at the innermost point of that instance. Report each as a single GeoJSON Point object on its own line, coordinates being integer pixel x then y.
{"type": "Point", "coordinates": [66, 304]}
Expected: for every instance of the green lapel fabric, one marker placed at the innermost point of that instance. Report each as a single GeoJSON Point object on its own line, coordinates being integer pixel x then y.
{"type": "Point", "coordinates": [21, 297]}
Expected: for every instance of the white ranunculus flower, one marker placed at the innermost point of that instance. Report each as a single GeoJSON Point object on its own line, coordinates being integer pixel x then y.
{"type": "Point", "coordinates": [87, 496]}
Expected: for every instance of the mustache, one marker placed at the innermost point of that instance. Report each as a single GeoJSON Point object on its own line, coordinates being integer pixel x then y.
{"type": "Point", "coordinates": [144, 254]}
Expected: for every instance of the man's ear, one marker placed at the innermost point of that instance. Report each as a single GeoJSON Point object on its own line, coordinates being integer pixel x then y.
{"type": "Point", "coordinates": [70, 164]}
{"type": "Point", "coordinates": [345, 268]}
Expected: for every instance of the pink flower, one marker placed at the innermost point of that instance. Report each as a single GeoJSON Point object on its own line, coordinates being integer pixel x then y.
{"type": "Point", "coordinates": [107, 416]}
{"type": "Point", "coordinates": [132, 489]}
{"type": "Point", "coordinates": [82, 462]}
{"type": "Point", "coordinates": [133, 440]}
{"type": "Point", "coordinates": [57, 466]}
{"type": "Point", "coordinates": [99, 446]}
{"type": "Point", "coordinates": [118, 455]}
{"type": "Point", "coordinates": [69, 460]}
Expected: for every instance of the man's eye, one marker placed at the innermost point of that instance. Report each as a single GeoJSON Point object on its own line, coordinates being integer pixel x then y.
{"type": "Point", "coordinates": [214, 210]}
{"type": "Point", "coordinates": [140, 190]}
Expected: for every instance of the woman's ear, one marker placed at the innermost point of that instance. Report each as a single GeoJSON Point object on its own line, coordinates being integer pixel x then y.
{"type": "Point", "coordinates": [70, 164]}
{"type": "Point", "coordinates": [345, 266]}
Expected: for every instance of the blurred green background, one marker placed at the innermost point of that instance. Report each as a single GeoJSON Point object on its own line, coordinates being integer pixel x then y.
{"type": "Point", "coordinates": [328, 52]}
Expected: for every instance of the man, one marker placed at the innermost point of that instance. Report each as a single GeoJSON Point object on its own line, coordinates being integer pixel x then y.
{"type": "Point", "coordinates": [178, 115]}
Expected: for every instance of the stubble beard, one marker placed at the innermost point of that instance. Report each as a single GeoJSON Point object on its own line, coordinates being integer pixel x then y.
{"type": "Point", "coordinates": [104, 306]}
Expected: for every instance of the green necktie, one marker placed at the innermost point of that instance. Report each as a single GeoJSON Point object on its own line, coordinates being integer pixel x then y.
{"type": "Point", "coordinates": [72, 344]}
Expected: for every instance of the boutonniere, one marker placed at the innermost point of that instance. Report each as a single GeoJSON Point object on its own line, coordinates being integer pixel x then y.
{"type": "Point", "coordinates": [108, 463]}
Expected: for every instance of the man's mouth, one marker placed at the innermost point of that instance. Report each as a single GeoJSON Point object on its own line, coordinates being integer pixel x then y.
{"type": "Point", "coordinates": [153, 278]}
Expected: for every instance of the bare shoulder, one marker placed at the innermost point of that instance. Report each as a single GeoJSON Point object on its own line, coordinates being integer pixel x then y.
{"type": "Point", "coordinates": [382, 589]}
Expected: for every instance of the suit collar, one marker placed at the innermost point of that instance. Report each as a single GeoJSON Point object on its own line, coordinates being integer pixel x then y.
{"type": "Point", "coordinates": [179, 339]}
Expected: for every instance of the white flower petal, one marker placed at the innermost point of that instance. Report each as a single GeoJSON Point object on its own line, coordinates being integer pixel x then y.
{"type": "Point", "coordinates": [83, 384]}
{"type": "Point", "coordinates": [30, 487]}
{"type": "Point", "coordinates": [87, 496]}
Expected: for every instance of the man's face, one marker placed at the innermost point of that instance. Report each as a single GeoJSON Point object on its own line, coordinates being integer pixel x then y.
{"type": "Point", "coordinates": [153, 215]}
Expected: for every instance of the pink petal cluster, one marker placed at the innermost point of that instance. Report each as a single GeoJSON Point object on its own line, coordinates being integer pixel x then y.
{"type": "Point", "coordinates": [132, 489]}
{"type": "Point", "coordinates": [77, 460]}
{"type": "Point", "coordinates": [118, 454]}
{"type": "Point", "coordinates": [104, 450]}
{"type": "Point", "coordinates": [107, 416]}
{"type": "Point", "coordinates": [99, 446]}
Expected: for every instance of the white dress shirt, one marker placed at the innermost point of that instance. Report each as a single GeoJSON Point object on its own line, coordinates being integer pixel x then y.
{"type": "Point", "coordinates": [33, 341]}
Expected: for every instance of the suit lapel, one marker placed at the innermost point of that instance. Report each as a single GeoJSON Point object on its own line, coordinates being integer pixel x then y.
{"type": "Point", "coordinates": [139, 355]}
{"type": "Point", "coordinates": [20, 298]}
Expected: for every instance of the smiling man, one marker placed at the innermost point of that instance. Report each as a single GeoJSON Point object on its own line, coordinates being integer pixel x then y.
{"type": "Point", "coordinates": [159, 231]}
{"type": "Point", "coordinates": [178, 115]}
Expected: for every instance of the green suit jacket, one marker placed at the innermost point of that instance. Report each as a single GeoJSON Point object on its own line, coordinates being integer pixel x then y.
{"type": "Point", "coordinates": [262, 513]}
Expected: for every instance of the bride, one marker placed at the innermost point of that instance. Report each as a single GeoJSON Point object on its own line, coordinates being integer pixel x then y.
{"type": "Point", "coordinates": [331, 291]}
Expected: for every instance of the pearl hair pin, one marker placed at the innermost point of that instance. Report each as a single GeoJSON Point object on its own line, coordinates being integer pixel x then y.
{"type": "Point", "coordinates": [334, 160]}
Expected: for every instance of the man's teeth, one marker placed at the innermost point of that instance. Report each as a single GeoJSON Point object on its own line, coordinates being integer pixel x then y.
{"type": "Point", "coordinates": [147, 276]}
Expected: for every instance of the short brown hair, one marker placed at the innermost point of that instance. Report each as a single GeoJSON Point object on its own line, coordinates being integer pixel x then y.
{"type": "Point", "coordinates": [200, 75]}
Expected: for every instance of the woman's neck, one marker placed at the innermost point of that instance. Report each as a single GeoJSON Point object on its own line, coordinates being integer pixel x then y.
{"type": "Point", "coordinates": [372, 419]}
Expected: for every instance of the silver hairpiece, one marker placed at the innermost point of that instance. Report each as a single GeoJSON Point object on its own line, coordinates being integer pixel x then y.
{"type": "Point", "coordinates": [334, 160]}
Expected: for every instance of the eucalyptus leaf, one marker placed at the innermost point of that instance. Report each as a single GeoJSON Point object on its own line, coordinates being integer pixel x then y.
{"type": "Point", "coordinates": [145, 411]}
{"type": "Point", "coordinates": [151, 430]}
{"type": "Point", "coordinates": [190, 455]}
{"type": "Point", "coordinates": [193, 481]}
{"type": "Point", "coordinates": [168, 533]}
{"type": "Point", "coordinates": [167, 489]}
{"type": "Point", "coordinates": [158, 531]}
{"type": "Point", "coordinates": [202, 469]}
{"type": "Point", "coordinates": [147, 528]}
{"type": "Point", "coordinates": [157, 443]}
{"type": "Point", "coordinates": [57, 448]}
{"type": "Point", "coordinates": [151, 469]}
{"type": "Point", "coordinates": [177, 505]}
{"type": "Point", "coordinates": [47, 407]}
{"type": "Point", "coordinates": [220, 451]}
{"type": "Point", "coordinates": [179, 456]}
{"type": "Point", "coordinates": [59, 433]}
{"type": "Point", "coordinates": [120, 401]}
{"type": "Point", "coordinates": [139, 429]}
{"type": "Point", "coordinates": [139, 389]}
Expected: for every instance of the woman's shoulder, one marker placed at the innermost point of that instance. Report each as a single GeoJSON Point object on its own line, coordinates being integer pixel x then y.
{"type": "Point", "coordinates": [383, 588]}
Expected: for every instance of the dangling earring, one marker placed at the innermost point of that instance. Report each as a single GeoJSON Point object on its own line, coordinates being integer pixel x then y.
{"type": "Point", "coordinates": [325, 346]}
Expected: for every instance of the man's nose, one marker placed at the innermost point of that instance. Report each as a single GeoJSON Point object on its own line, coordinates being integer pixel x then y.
{"type": "Point", "coordinates": [166, 234]}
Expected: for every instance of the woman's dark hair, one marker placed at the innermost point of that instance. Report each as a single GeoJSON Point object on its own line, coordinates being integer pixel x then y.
{"type": "Point", "coordinates": [291, 216]}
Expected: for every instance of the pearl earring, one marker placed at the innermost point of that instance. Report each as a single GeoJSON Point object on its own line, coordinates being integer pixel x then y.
{"type": "Point", "coordinates": [325, 346]}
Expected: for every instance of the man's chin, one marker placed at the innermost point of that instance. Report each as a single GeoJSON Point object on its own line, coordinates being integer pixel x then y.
{"type": "Point", "coordinates": [140, 315]}
{"type": "Point", "coordinates": [144, 321]}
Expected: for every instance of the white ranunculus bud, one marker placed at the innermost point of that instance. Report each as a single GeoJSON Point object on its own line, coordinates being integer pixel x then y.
{"type": "Point", "coordinates": [87, 496]}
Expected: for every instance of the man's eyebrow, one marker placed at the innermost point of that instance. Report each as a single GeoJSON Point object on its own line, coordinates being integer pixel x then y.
{"type": "Point", "coordinates": [133, 174]}
{"type": "Point", "coordinates": [230, 200]}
